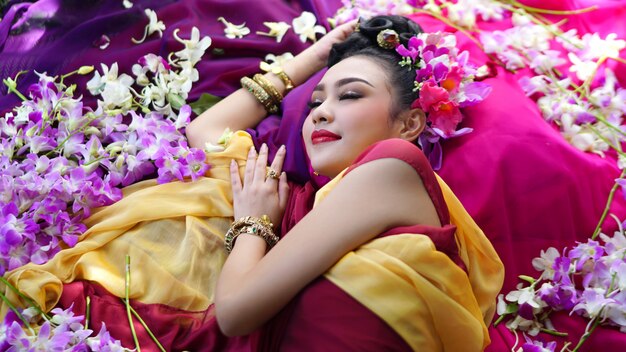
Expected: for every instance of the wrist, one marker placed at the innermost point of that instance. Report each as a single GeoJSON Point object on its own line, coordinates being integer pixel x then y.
{"type": "Point", "coordinates": [303, 66]}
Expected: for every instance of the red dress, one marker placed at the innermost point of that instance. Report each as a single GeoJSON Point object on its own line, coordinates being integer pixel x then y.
{"type": "Point", "coordinates": [321, 317]}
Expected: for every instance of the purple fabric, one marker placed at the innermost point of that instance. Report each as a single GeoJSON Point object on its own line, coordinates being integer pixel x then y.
{"type": "Point", "coordinates": [525, 186]}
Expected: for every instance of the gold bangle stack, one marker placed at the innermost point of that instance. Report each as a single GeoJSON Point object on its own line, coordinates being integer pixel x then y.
{"type": "Point", "coordinates": [285, 79]}
{"type": "Point", "coordinates": [268, 87]}
{"type": "Point", "coordinates": [260, 94]}
{"type": "Point", "coordinates": [265, 92]}
{"type": "Point", "coordinates": [251, 225]}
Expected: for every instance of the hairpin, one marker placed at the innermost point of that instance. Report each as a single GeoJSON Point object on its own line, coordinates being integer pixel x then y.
{"type": "Point", "coordinates": [388, 39]}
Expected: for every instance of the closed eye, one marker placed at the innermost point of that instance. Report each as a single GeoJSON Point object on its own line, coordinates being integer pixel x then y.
{"type": "Point", "coordinates": [349, 95]}
{"type": "Point", "coordinates": [313, 104]}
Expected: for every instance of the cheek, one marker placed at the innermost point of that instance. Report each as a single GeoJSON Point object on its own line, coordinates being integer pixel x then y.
{"type": "Point", "coordinates": [307, 129]}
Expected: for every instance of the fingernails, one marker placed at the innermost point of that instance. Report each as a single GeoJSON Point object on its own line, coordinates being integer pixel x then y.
{"type": "Point", "coordinates": [264, 147]}
{"type": "Point", "coordinates": [282, 148]}
{"type": "Point", "coordinates": [252, 151]}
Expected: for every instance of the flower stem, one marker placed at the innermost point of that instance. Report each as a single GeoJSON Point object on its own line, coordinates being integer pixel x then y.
{"type": "Point", "coordinates": [586, 335]}
{"type": "Point", "coordinates": [553, 332]}
{"type": "Point", "coordinates": [551, 12]}
{"type": "Point", "coordinates": [460, 29]}
{"type": "Point", "coordinates": [87, 311]}
{"type": "Point", "coordinates": [145, 326]}
{"type": "Point", "coordinates": [17, 312]}
{"type": "Point", "coordinates": [24, 297]}
{"type": "Point", "coordinates": [12, 85]}
{"type": "Point", "coordinates": [127, 301]}
{"type": "Point", "coordinates": [596, 232]}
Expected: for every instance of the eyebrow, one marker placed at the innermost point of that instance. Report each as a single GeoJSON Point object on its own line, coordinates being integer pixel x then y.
{"type": "Point", "coordinates": [343, 82]}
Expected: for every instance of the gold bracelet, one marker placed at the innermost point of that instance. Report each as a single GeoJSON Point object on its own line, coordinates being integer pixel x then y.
{"type": "Point", "coordinates": [269, 88]}
{"type": "Point", "coordinates": [251, 225]}
{"type": "Point", "coordinates": [260, 94]}
{"type": "Point", "coordinates": [285, 79]}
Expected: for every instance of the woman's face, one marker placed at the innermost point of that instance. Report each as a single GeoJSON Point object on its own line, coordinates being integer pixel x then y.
{"type": "Point", "coordinates": [350, 110]}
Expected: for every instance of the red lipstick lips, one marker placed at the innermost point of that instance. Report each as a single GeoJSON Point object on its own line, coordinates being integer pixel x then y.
{"type": "Point", "coordinates": [323, 136]}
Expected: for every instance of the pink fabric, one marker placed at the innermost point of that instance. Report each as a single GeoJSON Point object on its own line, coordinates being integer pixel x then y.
{"type": "Point", "coordinates": [522, 182]}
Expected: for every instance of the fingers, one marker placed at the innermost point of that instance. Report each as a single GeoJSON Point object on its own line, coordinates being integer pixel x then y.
{"type": "Point", "coordinates": [279, 158]}
{"type": "Point", "coordinates": [235, 179]}
{"type": "Point", "coordinates": [261, 164]}
{"type": "Point", "coordinates": [283, 191]}
{"type": "Point", "coordinates": [249, 173]}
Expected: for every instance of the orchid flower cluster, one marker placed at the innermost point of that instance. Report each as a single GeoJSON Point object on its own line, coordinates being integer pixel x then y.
{"type": "Point", "coordinates": [62, 331]}
{"type": "Point", "coordinates": [589, 118]}
{"type": "Point", "coordinates": [446, 82]}
{"type": "Point", "coordinates": [589, 279]}
{"type": "Point", "coordinates": [353, 9]}
{"type": "Point", "coordinates": [59, 158]}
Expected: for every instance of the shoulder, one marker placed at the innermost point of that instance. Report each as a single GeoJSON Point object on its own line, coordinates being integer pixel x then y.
{"type": "Point", "coordinates": [397, 149]}
{"type": "Point", "coordinates": [398, 172]}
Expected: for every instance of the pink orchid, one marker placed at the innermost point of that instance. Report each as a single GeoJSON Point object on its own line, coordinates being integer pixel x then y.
{"type": "Point", "coordinates": [445, 116]}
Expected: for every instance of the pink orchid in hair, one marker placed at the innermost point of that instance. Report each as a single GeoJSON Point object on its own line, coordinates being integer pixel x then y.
{"type": "Point", "coordinates": [445, 80]}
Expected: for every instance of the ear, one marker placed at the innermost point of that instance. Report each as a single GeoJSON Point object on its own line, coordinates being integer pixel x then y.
{"type": "Point", "coordinates": [413, 123]}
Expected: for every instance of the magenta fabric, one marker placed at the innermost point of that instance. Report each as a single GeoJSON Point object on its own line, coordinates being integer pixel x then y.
{"type": "Point", "coordinates": [525, 186]}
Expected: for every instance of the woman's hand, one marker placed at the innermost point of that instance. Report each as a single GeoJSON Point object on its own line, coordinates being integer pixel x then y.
{"type": "Point", "coordinates": [314, 58]}
{"type": "Point", "coordinates": [258, 194]}
{"type": "Point", "coordinates": [322, 47]}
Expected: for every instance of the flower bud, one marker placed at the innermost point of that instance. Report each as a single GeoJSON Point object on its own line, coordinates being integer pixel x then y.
{"type": "Point", "coordinates": [92, 130]}
{"type": "Point", "coordinates": [91, 167]}
{"type": "Point", "coordinates": [175, 100]}
{"type": "Point", "coordinates": [84, 70]}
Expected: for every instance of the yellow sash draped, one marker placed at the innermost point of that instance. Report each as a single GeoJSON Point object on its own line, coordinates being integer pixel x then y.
{"type": "Point", "coordinates": [420, 292]}
{"type": "Point", "coordinates": [174, 235]}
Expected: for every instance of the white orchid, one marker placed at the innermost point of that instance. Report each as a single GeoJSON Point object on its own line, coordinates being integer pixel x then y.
{"type": "Point", "coordinates": [109, 75]}
{"type": "Point", "coordinates": [127, 4]}
{"type": "Point", "coordinates": [305, 26]}
{"type": "Point", "coordinates": [275, 63]}
{"type": "Point", "coordinates": [233, 31]}
{"type": "Point", "coordinates": [583, 69]}
{"type": "Point", "coordinates": [154, 26]}
{"type": "Point", "coordinates": [277, 29]}
{"type": "Point", "coordinates": [194, 46]}
{"type": "Point", "coordinates": [596, 47]}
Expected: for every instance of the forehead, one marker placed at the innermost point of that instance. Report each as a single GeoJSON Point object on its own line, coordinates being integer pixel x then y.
{"type": "Point", "coordinates": [359, 67]}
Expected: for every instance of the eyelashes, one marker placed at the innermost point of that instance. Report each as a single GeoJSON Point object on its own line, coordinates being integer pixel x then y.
{"type": "Point", "coordinates": [346, 96]}
{"type": "Point", "coordinates": [313, 104]}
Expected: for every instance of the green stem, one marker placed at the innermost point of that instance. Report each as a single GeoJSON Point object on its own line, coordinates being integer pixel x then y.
{"type": "Point", "coordinates": [553, 332]}
{"type": "Point", "coordinates": [17, 312]}
{"type": "Point", "coordinates": [127, 295]}
{"type": "Point", "coordinates": [586, 335]}
{"type": "Point", "coordinates": [551, 12]}
{"type": "Point", "coordinates": [500, 319]}
{"type": "Point", "coordinates": [604, 139]}
{"type": "Point", "coordinates": [24, 297]}
{"type": "Point", "coordinates": [145, 326]}
{"type": "Point", "coordinates": [596, 232]}
{"type": "Point", "coordinates": [462, 30]}
{"type": "Point", "coordinates": [14, 89]}
{"type": "Point", "coordinates": [87, 311]}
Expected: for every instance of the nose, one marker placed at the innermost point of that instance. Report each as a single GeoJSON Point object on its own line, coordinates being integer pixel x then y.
{"type": "Point", "coordinates": [321, 114]}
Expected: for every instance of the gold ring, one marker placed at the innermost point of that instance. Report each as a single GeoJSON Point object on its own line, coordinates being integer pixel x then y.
{"type": "Point", "coordinates": [271, 173]}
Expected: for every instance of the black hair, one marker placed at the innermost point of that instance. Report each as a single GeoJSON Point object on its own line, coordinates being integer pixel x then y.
{"type": "Point", "coordinates": [363, 42]}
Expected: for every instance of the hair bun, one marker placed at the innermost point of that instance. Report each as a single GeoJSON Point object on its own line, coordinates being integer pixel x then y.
{"type": "Point", "coordinates": [373, 26]}
{"type": "Point", "coordinates": [403, 26]}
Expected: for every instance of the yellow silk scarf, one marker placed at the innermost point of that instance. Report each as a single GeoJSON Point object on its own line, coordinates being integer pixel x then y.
{"type": "Point", "coordinates": [420, 292]}
{"type": "Point", "coordinates": [174, 235]}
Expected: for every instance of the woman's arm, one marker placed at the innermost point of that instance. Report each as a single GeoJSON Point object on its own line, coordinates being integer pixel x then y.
{"type": "Point", "coordinates": [254, 286]}
{"type": "Point", "coordinates": [241, 110]}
